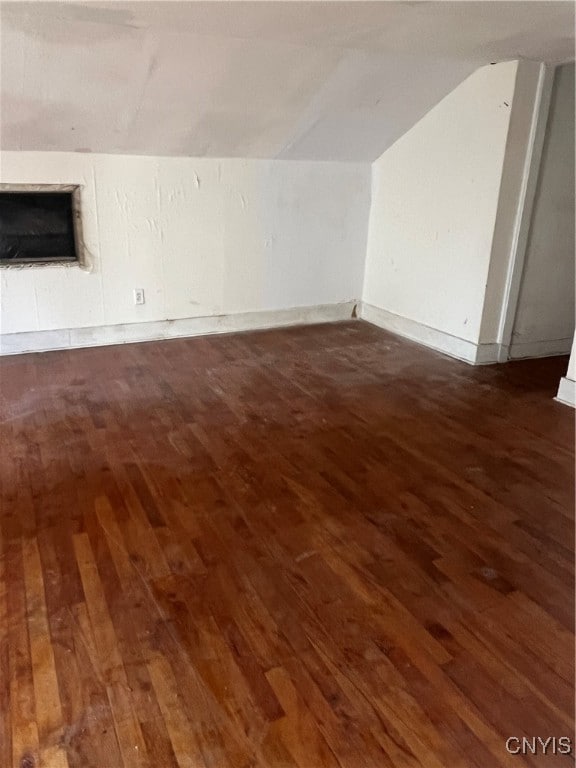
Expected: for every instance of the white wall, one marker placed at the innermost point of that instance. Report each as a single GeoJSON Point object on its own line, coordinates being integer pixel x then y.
{"type": "Point", "coordinates": [544, 322]}
{"type": "Point", "coordinates": [433, 210]}
{"type": "Point", "coordinates": [203, 237]}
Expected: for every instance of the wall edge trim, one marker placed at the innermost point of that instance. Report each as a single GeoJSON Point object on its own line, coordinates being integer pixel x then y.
{"type": "Point", "coordinates": [544, 348]}
{"type": "Point", "coordinates": [453, 346]}
{"type": "Point", "coordinates": [566, 392]}
{"type": "Point", "coordinates": [156, 330]}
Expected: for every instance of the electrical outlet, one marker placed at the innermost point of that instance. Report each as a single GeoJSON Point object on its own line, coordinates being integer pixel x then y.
{"type": "Point", "coordinates": [139, 296]}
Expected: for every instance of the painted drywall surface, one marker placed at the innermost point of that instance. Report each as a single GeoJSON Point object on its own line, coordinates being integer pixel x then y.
{"type": "Point", "coordinates": [434, 201]}
{"type": "Point", "coordinates": [545, 309]}
{"type": "Point", "coordinates": [305, 80]}
{"type": "Point", "coordinates": [202, 237]}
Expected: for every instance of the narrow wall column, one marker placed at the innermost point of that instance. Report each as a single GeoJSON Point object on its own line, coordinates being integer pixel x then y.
{"type": "Point", "coordinates": [567, 389]}
{"type": "Point", "coordinates": [518, 184]}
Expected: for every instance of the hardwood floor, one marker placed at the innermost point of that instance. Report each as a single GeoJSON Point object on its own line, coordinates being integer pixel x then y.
{"type": "Point", "coordinates": [311, 547]}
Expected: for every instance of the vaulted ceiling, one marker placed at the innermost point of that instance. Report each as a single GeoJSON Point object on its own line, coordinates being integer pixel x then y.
{"type": "Point", "coordinates": [294, 80]}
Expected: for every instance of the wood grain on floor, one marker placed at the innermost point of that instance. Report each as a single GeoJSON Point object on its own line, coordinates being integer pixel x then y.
{"type": "Point", "coordinates": [311, 547]}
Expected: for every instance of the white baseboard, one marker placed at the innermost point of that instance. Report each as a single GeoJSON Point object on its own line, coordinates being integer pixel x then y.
{"type": "Point", "coordinates": [550, 348]}
{"type": "Point", "coordinates": [487, 353]}
{"type": "Point", "coordinates": [70, 338]}
{"type": "Point", "coordinates": [454, 346]}
{"type": "Point", "coordinates": [567, 392]}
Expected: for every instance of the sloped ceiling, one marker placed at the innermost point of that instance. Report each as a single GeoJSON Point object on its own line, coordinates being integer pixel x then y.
{"type": "Point", "coordinates": [313, 80]}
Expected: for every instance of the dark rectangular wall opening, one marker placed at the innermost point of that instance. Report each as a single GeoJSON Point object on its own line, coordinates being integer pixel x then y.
{"type": "Point", "coordinates": [37, 227]}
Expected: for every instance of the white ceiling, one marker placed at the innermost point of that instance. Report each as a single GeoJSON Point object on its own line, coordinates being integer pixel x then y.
{"type": "Point", "coordinates": [296, 80]}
